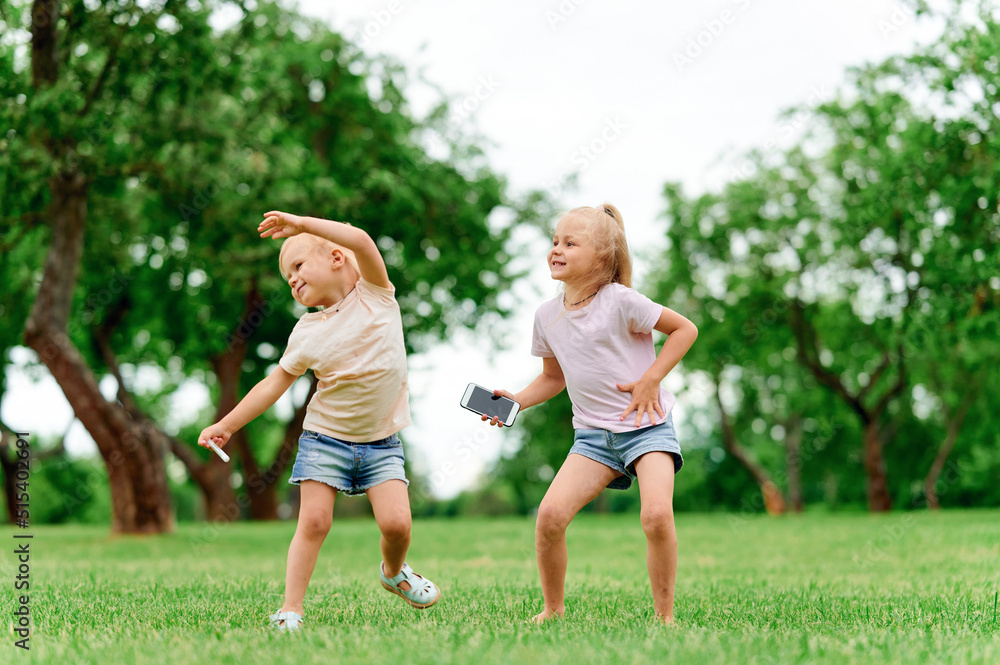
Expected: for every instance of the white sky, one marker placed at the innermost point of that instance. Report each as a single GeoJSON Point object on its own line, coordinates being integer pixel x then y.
{"type": "Point", "coordinates": [547, 80]}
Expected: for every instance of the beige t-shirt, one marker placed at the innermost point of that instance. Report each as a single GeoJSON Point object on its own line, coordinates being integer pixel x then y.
{"type": "Point", "coordinates": [360, 360]}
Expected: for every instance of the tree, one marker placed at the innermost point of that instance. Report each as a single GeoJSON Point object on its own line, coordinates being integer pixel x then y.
{"type": "Point", "coordinates": [866, 241]}
{"type": "Point", "coordinates": [139, 137]}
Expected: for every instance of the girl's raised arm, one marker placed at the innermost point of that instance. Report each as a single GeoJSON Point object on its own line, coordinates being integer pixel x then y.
{"type": "Point", "coordinates": [279, 224]}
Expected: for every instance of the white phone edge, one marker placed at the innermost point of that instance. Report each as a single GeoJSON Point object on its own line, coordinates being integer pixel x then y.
{"type": "Point", "coordinates": [468, 394]}
{"type": "Point", "coordinates": [513, 413]}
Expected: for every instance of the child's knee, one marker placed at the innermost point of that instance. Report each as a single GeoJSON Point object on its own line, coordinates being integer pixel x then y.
{"type": "Point", "coordinates": [551, 521]}
{"type": "Point", "coordinates": [657, 521]}
{"type": "Point", "coordinates": [315, 525]}
{"type": "Point", "coordinates": [395, 529]}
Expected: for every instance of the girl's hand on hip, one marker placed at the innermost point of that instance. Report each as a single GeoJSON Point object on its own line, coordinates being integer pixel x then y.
{"type": "Point", "coordinates": [279, 224]}
{"type": "Point", "coordinates": [645, 400]}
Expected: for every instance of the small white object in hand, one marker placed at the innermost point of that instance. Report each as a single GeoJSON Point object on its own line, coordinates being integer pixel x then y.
{"type": "Point", "coordinates": [218, 451]}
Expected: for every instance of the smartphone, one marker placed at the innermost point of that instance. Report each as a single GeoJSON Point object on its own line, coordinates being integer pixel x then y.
{"type": "Point", "coordinates": [482, 401]}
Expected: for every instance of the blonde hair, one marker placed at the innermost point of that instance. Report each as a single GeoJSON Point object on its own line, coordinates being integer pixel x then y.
{"type": "Point", "coordinates": [316, 244]}
{"type": "Point", "coordinates": [606, 232]}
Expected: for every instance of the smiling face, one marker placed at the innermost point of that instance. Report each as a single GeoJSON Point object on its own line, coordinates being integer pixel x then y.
{"type": "Point", "coordinates": [312, 271]}
{"type": "Point", "coordinates": [571, 259]}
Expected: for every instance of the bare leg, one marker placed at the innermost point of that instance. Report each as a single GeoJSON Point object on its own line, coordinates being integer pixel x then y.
{"type": "Point", "coordinates": [656, 491]}
{"type": "Point", "coordinates": [315, 517]}
{"type": "Point", "coordinates": [578, 482]}
{"type": "Point", "coordinates": [391, 505]}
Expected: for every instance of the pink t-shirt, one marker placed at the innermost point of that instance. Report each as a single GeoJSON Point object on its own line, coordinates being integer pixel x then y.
{"type": "Point", "coordinates": [607, 342]}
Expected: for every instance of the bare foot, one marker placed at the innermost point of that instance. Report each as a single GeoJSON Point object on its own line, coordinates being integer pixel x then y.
{"type": "Point", "coordinates": [546, 615]}
{"type": "Point", "coordinates": [665, 619]}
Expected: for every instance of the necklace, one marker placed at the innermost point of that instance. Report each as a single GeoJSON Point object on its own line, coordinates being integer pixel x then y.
{"type": "Point", "coordinates": [574, 304]}
{"type": "Point", "coordinates": [325, 315]}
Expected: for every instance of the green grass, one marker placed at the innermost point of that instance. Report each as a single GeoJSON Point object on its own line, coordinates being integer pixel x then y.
{"type": "Point", "coordinates": [902, 588]}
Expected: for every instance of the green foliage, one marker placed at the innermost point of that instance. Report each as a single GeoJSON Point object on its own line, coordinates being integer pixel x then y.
{"type": "Point", "coordinates": [188, 129]}
{"type": "Point", "coordinates": [882, 229]}
{"type": "Point", "coordinates": [867, 251]}
{"type": "Point", "coordinates": [69, 491]}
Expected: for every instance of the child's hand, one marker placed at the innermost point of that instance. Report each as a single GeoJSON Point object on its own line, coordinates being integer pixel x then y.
{"type": "Point", "coordinates": [645, 399]}
{"type": "Point", "coordinates": [216, 433]}
{"type": "Point", "coordinates": [496, 419]}
{"type": "Point", "coordinates": [279, 224]}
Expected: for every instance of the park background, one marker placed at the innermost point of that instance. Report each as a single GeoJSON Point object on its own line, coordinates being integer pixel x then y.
{"type": "Point", "coordinates": [829, 221]}
{"type": "Point", "coordinates": [813, 184]}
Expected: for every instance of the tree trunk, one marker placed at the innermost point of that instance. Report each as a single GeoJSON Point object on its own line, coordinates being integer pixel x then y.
{"type": "Point", "coordinates": [807, 344]}
{"type": "Point", "coordinates": [793, 462]}
{"type": "Point", "coordinates": [213, 476]}
{"type": "Point", "coordinates": [218, 500]}
{"type": "Point", "coordinates": [879, 499]}
{"type": "Point", "coordinates": [8, 462]}
{"type": "Point", "coordinates": [954, 426]}
{"type": "Point", "coordinates": [774, 503]}
{"type": "Point", "coordinates": [132, 450]}
{"type": "Point", "coordinates": [262, 485]}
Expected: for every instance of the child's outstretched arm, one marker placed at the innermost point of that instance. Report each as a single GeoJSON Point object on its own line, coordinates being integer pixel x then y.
{"type": "Point", "coordinates": [279, 224]}
{"type": "Point", "coordinates": [646, 391]}
{"type": "Point", "coordinates": [260, 398]}
{"type": "Point", "coordinates": [546, 385]}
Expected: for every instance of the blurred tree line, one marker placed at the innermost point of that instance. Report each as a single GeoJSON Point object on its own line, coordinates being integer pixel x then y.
{"type": "Point", "coordinates": [846, 291]}
{"type": "Point", "coordinates": [845, 288]}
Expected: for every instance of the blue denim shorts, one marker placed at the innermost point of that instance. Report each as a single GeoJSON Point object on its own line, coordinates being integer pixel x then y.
{"type": "Point", "coordinates": [620, 450]}
{"type": "Point", "coordinates": [349, 467]}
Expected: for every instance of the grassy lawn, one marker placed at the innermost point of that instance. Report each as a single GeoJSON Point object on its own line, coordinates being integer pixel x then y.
{"type": "Point", "coordinates": [902, 588]}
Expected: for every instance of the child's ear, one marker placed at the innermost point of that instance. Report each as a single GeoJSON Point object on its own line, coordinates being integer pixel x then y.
{"type": "Point", "coordinates": [338, 257]}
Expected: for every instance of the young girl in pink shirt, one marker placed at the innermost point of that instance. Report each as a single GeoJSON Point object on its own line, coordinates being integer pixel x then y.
{"type": "Point", "coordinates": [596, 341]}
{"type": "Point", "coordinates": [354, 345]}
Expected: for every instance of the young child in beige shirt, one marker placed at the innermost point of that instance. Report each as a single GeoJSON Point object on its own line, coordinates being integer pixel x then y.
{"type": "Point", "coordinates": [354, 345]}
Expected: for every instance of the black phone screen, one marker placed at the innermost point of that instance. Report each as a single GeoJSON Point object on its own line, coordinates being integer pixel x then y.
{"type": "Point", "coordinates": [486, 402]}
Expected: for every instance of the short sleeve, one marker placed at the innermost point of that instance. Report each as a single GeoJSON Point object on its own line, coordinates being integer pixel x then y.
{"type": "Point", "coordinates": [368, 291]}
{"type": "Point", "coordinates": [641, 313]}
{"type": "Point", "coordinates": [539, 345]}
{"type": "Point", "coordinates": [293, 360]}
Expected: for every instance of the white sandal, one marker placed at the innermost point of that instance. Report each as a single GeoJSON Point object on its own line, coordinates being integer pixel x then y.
{"type": "Point", "coordinates": [422, 592]}
{"type": "Point", "coordinates": [289, 621]}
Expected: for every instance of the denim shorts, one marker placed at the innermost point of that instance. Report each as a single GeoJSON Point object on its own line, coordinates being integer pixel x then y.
{"type": "Point", "coordinates": [620, 450]}
{"type": "Point", "coordinates": [349, 467]}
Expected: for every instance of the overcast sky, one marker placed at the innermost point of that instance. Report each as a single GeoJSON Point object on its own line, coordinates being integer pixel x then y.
{"type": "Point", "coordinates": [630, 94]}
